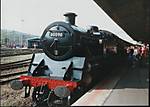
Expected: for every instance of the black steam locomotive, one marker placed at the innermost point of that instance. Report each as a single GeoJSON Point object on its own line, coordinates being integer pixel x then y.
{"type": "Point", "coordinates": [72, 59]}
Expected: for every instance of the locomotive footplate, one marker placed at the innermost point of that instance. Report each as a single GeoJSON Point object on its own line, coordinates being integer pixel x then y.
{"type": "Point", "coordinates": [38, 81]}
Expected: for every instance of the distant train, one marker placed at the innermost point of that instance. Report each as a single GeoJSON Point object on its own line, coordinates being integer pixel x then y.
{"type": "Point", "coordinates": [73, 59]}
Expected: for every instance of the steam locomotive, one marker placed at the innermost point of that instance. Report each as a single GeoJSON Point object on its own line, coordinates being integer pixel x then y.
{"type": "Point", "coordinates": [72, 59]}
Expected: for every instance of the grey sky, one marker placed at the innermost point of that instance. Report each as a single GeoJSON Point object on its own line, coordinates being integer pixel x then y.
{"type": "Point", "coordinates": [32, 16]}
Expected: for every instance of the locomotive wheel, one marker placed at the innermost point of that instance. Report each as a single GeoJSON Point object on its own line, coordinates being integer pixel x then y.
{"type": "Point", "coordinates": [39, 95]}
{"type": "Point", "coordinates": [53, 100]}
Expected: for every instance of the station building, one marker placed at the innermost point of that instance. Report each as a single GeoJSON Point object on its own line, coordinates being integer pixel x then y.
{"type": "Point", "coordinates": [34, 43]}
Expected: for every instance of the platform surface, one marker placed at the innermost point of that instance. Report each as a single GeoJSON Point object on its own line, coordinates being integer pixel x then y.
{"type": "Point", "coordinates": [129, 86]}
{"type": "Point", "coordinates": [132, 89]}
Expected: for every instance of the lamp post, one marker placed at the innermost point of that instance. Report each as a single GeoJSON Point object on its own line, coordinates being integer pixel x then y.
{"type": "Point", "coordinates": [21, 36]}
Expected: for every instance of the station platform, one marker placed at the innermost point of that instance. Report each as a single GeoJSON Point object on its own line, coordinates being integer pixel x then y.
{"type": "Point", "coordinates": [123, 87]}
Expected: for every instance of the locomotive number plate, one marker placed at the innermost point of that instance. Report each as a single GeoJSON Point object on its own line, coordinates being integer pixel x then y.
{"type": "Point", "coordinates": [56, 34]}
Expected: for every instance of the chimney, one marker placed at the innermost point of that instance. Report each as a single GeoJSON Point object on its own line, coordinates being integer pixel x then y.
{"type": "Point", "coordinates": [70, 18]}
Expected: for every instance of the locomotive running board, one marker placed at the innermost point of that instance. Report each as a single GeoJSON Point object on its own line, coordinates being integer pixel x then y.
{"type": "Point", "coordinates": [40, 81]}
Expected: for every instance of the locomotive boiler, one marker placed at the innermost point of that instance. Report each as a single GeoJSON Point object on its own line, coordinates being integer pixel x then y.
{"type": "Point", "coordinates": [72, 59]}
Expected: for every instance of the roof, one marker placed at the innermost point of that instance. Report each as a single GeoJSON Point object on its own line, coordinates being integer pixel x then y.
{"type": "Point", "coordinates": [131, 15]}
{"type": "Point", "coordinates": [34, 39]}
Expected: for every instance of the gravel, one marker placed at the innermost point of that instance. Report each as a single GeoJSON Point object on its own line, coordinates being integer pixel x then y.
{"type": "Point", "coordinates": [10, 97]}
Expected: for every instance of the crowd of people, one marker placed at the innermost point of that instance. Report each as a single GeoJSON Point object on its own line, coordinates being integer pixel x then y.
{"type": "Point", "coordinates": [138, 54]}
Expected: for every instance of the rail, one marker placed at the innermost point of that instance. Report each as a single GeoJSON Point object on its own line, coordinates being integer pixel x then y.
{"type": "Point", "coordinates": [6, 78]}
{"type": "Point", "coordinates": [16, 64]}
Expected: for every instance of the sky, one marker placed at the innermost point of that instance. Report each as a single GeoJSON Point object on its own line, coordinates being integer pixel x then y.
{"type": "Point", "coordinates": [33, 16]}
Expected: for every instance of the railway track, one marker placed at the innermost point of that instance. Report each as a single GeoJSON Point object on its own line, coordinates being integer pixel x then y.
{"type": "Point", "coordinates": [13, 52]}
{"type": "Point", "coordinates": [11, 76]}
{"type": "Point", "coordinates": [6, 78]}
{"type": "Point", "coordinates": [17, 64]}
